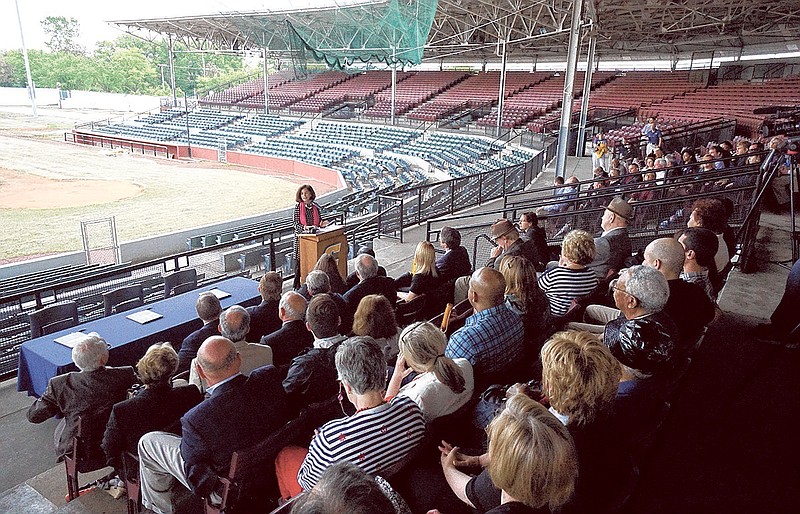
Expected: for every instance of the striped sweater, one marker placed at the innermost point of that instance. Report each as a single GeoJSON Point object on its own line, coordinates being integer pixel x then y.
{"type": "Point", "coordinates": [561, 285]}
{"type": "Point", "coordinates": [373, 439]}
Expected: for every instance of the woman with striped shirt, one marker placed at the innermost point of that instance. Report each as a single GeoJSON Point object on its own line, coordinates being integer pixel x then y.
{"type": "Point", "coordinates": [380, 434]}
{"type": "Point", "coordinates": [571, 278]}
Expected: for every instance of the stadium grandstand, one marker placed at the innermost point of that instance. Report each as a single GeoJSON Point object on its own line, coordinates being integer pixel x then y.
{"type": "Point", "coordinates": [426, 114]}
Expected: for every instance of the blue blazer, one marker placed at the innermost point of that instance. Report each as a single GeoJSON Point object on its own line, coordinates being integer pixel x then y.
{"type": "Point", "coordinates": [240, 413]}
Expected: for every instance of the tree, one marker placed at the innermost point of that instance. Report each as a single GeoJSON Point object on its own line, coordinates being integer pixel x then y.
{"type": "Point", "coordinates": [62, 33]}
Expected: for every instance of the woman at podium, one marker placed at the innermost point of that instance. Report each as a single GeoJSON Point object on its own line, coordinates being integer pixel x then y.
{"type": "Point", "coordinates": [307, 218]}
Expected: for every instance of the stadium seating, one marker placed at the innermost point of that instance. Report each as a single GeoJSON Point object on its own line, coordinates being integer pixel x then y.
{"type": "Point", "coordinates": [413, 91]}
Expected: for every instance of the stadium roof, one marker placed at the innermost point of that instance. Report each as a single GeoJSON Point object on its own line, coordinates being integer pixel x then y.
{"type": "Point", "coordinates": [469, 30]}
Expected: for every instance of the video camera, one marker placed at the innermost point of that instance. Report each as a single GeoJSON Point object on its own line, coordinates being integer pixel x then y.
{"type": "Point", "coordinates": [784, 120]}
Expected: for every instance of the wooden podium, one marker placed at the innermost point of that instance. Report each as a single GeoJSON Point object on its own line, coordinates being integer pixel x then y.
{"type": "Point", "coordinates": [330, 239]}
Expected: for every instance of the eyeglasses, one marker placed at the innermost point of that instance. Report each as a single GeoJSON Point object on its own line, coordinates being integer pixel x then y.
{"type": "Point", "coordinates": [613, 286]}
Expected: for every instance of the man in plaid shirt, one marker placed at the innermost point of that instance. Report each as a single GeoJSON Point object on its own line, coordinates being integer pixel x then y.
{"type": "Point", "coordinates": [492, 338]}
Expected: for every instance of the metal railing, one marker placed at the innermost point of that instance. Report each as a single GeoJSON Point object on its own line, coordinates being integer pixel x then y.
{"type": "Point", "coordinates": [268, 251]}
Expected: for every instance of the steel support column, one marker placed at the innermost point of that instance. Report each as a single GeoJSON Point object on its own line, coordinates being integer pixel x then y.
{"type": "Point", "coordinates": [569, 79]}
{"type": "Point", "coordinates": [587, 88]}
{"type": "Point", "coordinates": [503, 60]}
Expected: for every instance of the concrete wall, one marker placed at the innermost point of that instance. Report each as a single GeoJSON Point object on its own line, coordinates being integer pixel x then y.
{"type": "Point", "coordinates": [18, 96]}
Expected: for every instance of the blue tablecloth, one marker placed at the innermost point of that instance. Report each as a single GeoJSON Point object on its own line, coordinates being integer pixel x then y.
{"type": "Point", "coordinates": [42, 358]}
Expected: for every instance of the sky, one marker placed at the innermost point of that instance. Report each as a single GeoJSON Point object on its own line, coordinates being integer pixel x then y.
{"type": "Point", "coordinates": [92, 15]}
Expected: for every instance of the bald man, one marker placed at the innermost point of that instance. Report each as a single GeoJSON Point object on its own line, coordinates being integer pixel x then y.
{"type": "Point", "coordinates": [234, 325]}
{"type": "Point", "coordinates": [492, 338]}
{"type": "Point", "coordinates": [689, 306]}
{"type": "Point", "coordinates": [240, 411]}
{"type": "Point", "coordinates": [293, 337]}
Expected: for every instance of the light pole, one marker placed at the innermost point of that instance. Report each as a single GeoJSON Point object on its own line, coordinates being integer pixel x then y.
{"type": "Point", "coordinates": [31, 90]}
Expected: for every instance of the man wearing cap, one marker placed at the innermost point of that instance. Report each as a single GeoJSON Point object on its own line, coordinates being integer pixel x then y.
{"type": "Point", "coordinates": [505, 234]}
{"type": "Point", "coordinates": [613, 247]}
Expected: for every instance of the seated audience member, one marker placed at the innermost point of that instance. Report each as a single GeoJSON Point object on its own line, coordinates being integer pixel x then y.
{"type": "Point", "coordinates": [524, 297]}
{"type": "Point", "coordinates": [565, 191]}
{"type": "Point", "coordinates": [239, 411]}
{"type": "Point", "coordinates": [369, 283]}
{"type": "Point", "coordinates": [492, 339]}
{"type": "Point", "coordinates": [455, 261]}
{"type": "Point", "coordinates": [292, 338]}
{"type": "Point", "coordinates": [89, 394]}
{"type": "Point", "coordinates": [700, 246]}
{"type": "Point", "coordinates": [640, 294]}
{"type": "Point", "coordinates": [312, 374]}
{"type": "Point", "coordinates": [208, 310]}
{"type": "Point", "coordinates": [377, 437]}
{"type": "Point", "coordinates": [264, 316]}
{"type": "Point", "coordinates": [580, 379]}
{"type": "Point", "coordinates": [345, 489]}
{"type": "Point", "coordinates": [688, 304]}
{"type": "Point", "coordinates": [710, 213]}
{"type": "Point", "coordinates": [157, 406]}
{"type": "Point", "coordinates": [327, 264]}
{"type": "Point", "coordinates": [531, 231]}
{"type": "Point", "coordinates": [613, 247]}
{"type": "Point", "coordinates": [352, 278]}
{"type": "Point", "coordinates": [318, 282]}
{"type": "Point", "coordinates": [505, 234]}
{"type": "Point", "coordinates": [424, 277]}
{"type": "Point", "coordinates": [375, 318]}
{"type": "Point", "coordinates": [234, 323]}
{"type": "Point", "coordinates": [533, 468]}
{"type": "Point", "coordinates": [442, 385]}
{"type": "Point", "coordinates": [571, 278]}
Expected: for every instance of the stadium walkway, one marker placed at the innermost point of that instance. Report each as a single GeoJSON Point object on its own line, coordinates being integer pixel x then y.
{"type": "Point", "coordinates": [729, 444]}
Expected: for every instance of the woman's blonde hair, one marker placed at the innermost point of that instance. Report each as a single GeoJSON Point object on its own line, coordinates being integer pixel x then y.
{"type": "Point", "coordinates": [578, 247]}
{"type": "Point", "coordinates": [422, 344]}
{"type": "Point", "coordinates": [579, 375]}
{"type": "Point", "coordinates": [158, 364]}
{"type": "Point", "coordinates": [521, 281]}
{"type": "Point", "coordinates": [531, 454]}
{"type": "Point", "coordinates": [374, 317]}
{"type": "Point", "coordinates": [424, 261]}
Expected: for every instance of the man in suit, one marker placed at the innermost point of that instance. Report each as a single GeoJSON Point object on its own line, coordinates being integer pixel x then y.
{"type": "Point", "coordinates": [369, 283]}
{"type": "Point", "coordinates": [239, 412]}
{"type": "Point", "coordinates": [208, 310]}
{"type": "Point", "coordinates": [234, 324]}
{"type": "Point", "coordinates": [455, 261]}
{"type": "Point", "coordinates": [89, 394]}
{"type": "Point", "coordinates": [264, 316]}
{"type": "Point", "coordinates": [613, 247]}
{"type": "Point", "coordinates": [292, 338]}
{"type": "Point", "coordinates": [352, 278]}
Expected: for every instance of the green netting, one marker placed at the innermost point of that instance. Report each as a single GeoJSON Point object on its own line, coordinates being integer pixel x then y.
{"type": "Point", "coordinates": [367, 33]}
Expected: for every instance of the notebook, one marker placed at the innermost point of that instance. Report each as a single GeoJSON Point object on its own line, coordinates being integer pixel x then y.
{"type": "Point", "coordinates": [145, 316]}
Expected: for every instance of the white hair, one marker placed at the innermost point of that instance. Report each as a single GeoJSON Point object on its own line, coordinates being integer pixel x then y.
{"type": "Point", "coordinates": [90, 353]}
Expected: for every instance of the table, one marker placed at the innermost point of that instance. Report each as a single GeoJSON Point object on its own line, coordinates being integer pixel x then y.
{"type": "Point", "coordinates": [42, 358]}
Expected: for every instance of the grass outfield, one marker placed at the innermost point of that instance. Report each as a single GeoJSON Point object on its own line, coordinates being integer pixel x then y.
{"type": "Point", "coordinates": [47, 187]}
